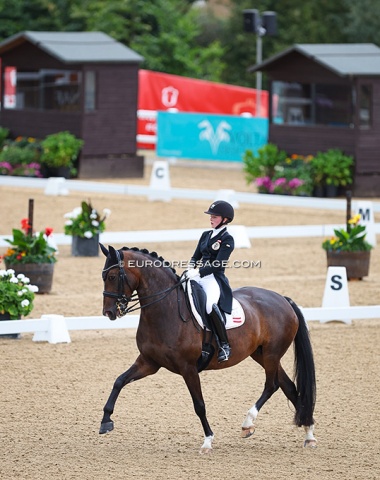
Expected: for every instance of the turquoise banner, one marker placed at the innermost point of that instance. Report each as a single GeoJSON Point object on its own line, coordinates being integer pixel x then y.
{"type": "Point", "coordinates": [209, 137]}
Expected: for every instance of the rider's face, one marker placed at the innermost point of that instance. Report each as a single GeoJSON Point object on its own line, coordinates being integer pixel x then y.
{"type": "Point", "coordinates": [215, 220]}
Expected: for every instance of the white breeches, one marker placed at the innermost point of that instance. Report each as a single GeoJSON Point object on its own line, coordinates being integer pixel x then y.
{"type": "Point", "coordinates": [211, 287]}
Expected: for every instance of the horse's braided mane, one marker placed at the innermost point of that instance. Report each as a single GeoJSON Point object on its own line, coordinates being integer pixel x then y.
{"type": "Point", "coordinates": [151, 254]}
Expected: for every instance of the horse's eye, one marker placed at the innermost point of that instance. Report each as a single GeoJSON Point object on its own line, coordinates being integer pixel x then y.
{"type": "Point", "coordinates": [111, 278]}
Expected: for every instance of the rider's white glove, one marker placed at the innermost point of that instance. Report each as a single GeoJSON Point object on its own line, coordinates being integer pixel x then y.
{"type": "Point", "coordinates": [193, 272]}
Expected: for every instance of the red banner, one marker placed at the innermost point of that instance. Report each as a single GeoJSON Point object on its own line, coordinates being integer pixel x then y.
{"type": "Point", "coordinates": [162, 91]}
{"type": "Point", "coordinates": [10, 75]}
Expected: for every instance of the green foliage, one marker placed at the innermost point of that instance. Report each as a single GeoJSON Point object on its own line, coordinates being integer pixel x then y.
{"type": "Point", "coordinates": [85, 221]}
{"type": "Point", "coordinates": [350, 240]}
{"type": "Point", "coordinates": [30, 248]}
{"type": "Point", "coordinates": [4, 132]}
{"type": "Point", "coordinates": [297, 167]}
{"type": "Point", "coordinates": [17, 155]}
{"type": "Point", "coordinates": [16, 294]}
{"type": "Point", "coordinates": [332, 167]}
{"type": "Point", "coordinates": [263, 163]}
{"type": "Point", "coordinates": [60, 149]}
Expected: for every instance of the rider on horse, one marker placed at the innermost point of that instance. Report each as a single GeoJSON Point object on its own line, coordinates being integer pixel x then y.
{"type": "Point", "coordinates": [211, 256]}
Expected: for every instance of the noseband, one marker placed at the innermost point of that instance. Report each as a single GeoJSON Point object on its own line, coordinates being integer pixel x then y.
{"type": "Point", "coordinates": [121, 299]}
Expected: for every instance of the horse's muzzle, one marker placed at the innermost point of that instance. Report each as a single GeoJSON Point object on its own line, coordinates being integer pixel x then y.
{"type": "Point", "coordinates": [111, 314]}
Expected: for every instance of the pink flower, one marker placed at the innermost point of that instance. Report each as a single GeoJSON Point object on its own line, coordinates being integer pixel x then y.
{"type": "Point", "coordinates": [279, 182]}
{"type": "Point", "coordinates": [295, 183]}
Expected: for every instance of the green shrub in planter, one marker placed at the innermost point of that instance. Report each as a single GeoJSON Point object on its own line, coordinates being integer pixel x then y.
{"type": "Point", "coordinates": [263, 163]}
{"type": "Point", "coordinates": [332, 167]}
{"type": "Point", "coordinates": [60, 150]}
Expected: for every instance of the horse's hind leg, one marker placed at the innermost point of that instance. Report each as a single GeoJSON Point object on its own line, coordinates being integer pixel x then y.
{"type": "Point", "coordinates": [271, 385]}
{"type": "Point", "coordinates": [140, 369]}
{"type": "Point", "coordinates": [289, 389]}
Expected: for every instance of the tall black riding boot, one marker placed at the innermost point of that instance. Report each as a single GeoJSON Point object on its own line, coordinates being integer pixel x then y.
{"type": "Point", "coordinates": [220, 334]}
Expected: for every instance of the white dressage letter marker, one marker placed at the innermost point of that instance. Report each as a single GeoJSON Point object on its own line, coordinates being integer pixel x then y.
{"type": "Point", "coordinates": [365, 209]}
{"type": "Point", "coordinates": [160, 181]}
{"type": "Point", "coordinates": [336, 289]}
{"type": "Point", "coordinates": [240, 234]}
{"type": "Point", "coordinates": [228, 196]}
{"type": "Point", "coordinates": [56, 186]}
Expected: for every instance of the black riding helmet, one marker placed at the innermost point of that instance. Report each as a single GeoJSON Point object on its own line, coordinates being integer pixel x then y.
{"type": "Point", "coordinates": [223, 209]}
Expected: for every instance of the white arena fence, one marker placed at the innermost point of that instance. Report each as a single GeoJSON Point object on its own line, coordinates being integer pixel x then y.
{"type": "Point", "coordinates": [129, 238]}
{"type": "Point", "coordinates": [56, 328]}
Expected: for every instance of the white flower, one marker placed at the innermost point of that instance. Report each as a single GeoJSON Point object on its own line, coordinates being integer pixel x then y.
{"type": "Point", "coordinates": [3, 273]}
{"type": "Point", "coordinates": [95, 223]}
{"type": "Point", "coordinates": [33, 288]}
{"type": "Point", "coordinates": [25, 303]}
{"type": "Point", "coordinates": [77, 211]}
{"type": "Point", "coordinates": [25, 280]}
{"type": "Point", "coordinates": [13, 280]}
{"type": "Point", "coordinates": [106, 212]}
{"type": "Point", "coordinates": [68, 222]}
{"type": "Point", "coordinates": [20, 293]}
{"type": "Point", "coordinates": [20, 276]}
{"type": "Point", "coordinates": [10, 271]}
{"type": "Point", "coordinates": [88, 234]}
{"type": "Point", "coordinates": [93, 215]}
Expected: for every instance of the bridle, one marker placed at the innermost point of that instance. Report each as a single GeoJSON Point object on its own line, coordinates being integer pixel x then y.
{"type": "Point", "coordinates": [123, 300]}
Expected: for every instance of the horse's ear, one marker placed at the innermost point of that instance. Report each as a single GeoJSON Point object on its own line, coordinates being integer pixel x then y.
{"type": "Point", "coordinates": [112, 253]}
{"type": "Point", "coordinates": [104, 250]}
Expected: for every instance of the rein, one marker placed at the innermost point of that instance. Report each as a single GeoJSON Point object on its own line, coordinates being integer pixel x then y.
{"type": "Point", "coordinates": [123, 300]}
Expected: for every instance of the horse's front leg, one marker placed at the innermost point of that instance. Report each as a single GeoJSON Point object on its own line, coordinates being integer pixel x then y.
{"type": "Point", "coordinates": [140, 369]}
{"type": "Point", "coordinates": [191, 377]}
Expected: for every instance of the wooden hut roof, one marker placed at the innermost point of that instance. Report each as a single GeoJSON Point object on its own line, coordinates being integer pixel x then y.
{"type": "Point", "coordinates": [349, 59]}
{"type": "Point", "coordinates": [75, 47]}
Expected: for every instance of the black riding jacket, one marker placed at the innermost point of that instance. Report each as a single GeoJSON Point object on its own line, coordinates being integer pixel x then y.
{"type": "Point", "coordinates": [212, 255]}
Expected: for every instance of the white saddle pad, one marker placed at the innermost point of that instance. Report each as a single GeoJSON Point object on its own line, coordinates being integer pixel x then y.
{"type": "Point", "coordinates": [234, 319]}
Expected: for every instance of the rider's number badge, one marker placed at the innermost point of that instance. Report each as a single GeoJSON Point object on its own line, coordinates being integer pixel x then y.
{"type": "Point", "coordinates": [216, 245]}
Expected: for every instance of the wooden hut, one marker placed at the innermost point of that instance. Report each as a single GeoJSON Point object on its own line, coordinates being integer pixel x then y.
{"type": "Point", "coordinates": [326, 96]}
{"type": "Point", "coordinates": [83, 82]}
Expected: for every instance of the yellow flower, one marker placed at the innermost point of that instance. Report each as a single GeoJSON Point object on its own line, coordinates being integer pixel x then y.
{"type": "Point", "coordinates": [354, 220]}
{"type": "Point", "coordinates": [333, 240]}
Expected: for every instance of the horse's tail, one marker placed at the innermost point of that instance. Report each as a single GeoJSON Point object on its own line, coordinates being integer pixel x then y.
{"type": "Point", "coordinates": [304, 371]}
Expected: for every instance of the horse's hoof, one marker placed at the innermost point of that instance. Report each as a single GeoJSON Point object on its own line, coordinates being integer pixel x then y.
{"type": "Point", "coordinates": [310, 443]}
{"type": "Point", "coordinates": [247, 432]}
{"type": "Point", "coordinates": [205, 451]}
{"type": "Point", "coordinates": [106, 427]}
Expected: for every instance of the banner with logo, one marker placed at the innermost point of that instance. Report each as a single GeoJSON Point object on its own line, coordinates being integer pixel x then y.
{"type": "Point", "coordinates": [10, 76]}
{"type": "Point", "coordinates": [163, 92]}
{"type": "Point", "coordinates": [209, 137]}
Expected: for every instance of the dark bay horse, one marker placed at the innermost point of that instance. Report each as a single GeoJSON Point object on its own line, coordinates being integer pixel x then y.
{"type": "Point", "coordinates": [168, 337]}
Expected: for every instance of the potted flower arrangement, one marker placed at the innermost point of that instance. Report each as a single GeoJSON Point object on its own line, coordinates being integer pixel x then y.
{"type": "Point", "coordinates": [331, 169]}
{"type": "Point", "coordinates": [16, 297]}
{"type": "Point", "coordinates": [349, 248]}
{"type": "Point", "coordinates": [33, 255]}
{"type": "Point", "coordinates": [59, 153]}
{"type": "Point", "coordinates": [85, 224]}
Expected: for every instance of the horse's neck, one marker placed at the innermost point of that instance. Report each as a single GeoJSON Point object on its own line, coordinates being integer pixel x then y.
{"type": "Point", "coordinates": [153, 280]}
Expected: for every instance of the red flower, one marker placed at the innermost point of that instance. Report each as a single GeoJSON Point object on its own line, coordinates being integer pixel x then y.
{"type": "Point", "coordinates": [48, 231]}
{"type": "Point", "coordinates": [25, 225]}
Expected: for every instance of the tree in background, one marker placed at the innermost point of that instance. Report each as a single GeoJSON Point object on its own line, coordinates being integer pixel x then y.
{"type": "Point", "coordinates": [202, 40]}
